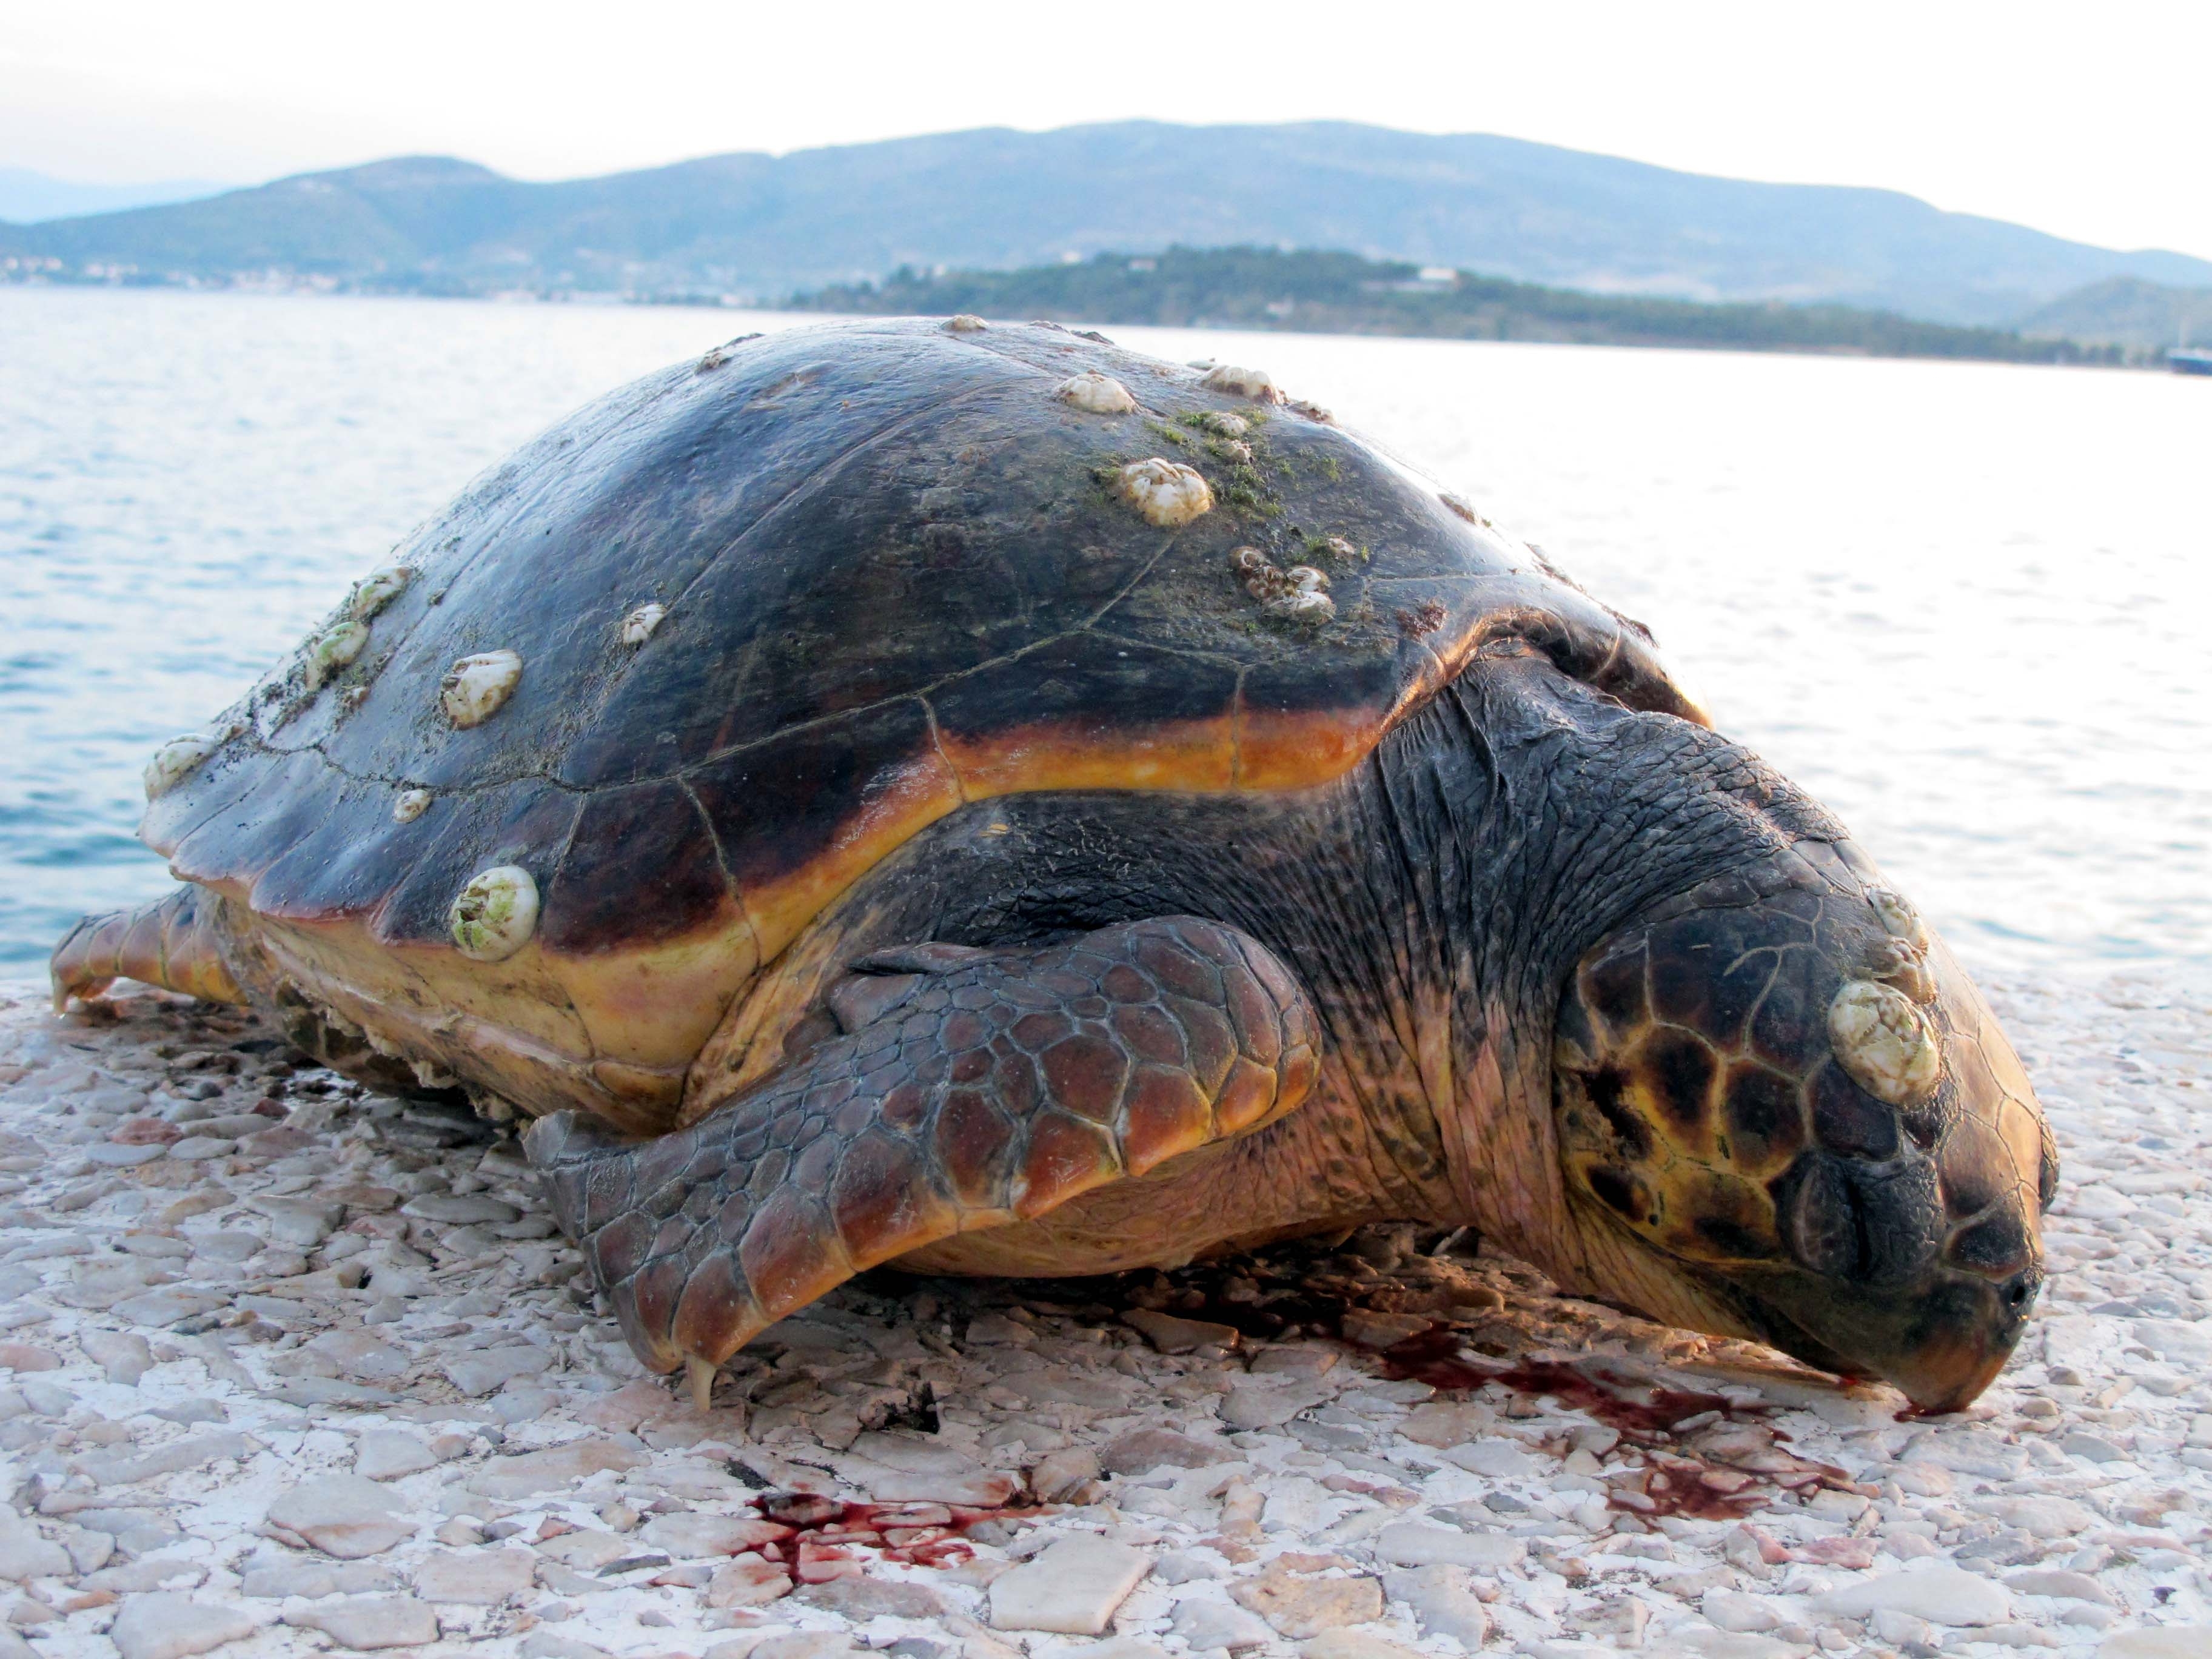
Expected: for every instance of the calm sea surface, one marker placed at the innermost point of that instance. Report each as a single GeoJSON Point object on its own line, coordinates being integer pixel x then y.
{"type": "Point", "coordinates": [1966, 604]}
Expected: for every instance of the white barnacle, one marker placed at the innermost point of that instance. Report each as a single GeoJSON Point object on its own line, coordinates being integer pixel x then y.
{"type": "Point", "coordinates": [378, 589]}
{"type": "Point", "coordinates": [1303, 597]}
{"type": "Point", "coordinates": [637, 627]}
{"type": "Point", "coordinates": [495, 914]}
{"type": "Point", "coordinates": [1884, 1042]}
{"type": "Point", "coordinates": [1898, 917]}
{"type": "Point", "coordinates": [1166, 493]}
{"type": "Point", "coordinates": [1255, 384]}
{"type": "Point", "coordinates": [966, 323]}
{"type": "Point", "coordinates": [410, 805]}
{"type": "Point", "coordinates": [1223, 424]}
{"type": "Point", "coordinates": [1096, 394]}
{"type": "Point", "coordinates": [475, 688]}
{"type": "Point", "coordinates": [177, 760]}
{"type": "Point", "coordinates": [335, 648]}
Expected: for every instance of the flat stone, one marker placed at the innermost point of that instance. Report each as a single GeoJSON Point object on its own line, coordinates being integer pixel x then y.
{"type": "Point", "coordinates": [391, 1454]}
{"type": "Point", "coordinates": [298, 1221]}
{"type": "Point", "coordinates": [1300, 1606]}
{"type": "Point", "coordinates": [24, 1554]}
{"type": "Point", "coordinates": [861, 1597]}
{"type": "Point", "coordinates": [587, 1547]}
{"type": "Point", "coordinates": [689, 1535]}
{"type": "Point", "coordinates": [274, 1581]}
{"type": "Point", "coordinates": [475, 1577]}
{"type": "Point", "coordinates": [165, 1625]}
{"type": "Point", "coordinates": [1071, 1587]}
{"type": "Point", "coordinates": [341, 1515]}
{"type": "Point", "coordinates": [148, 1572]}
{"type": "Point", "coordinates": [1414, 1544]}
{"type": "Point", "coordinates": [369, 1621]}
{"type": "Point", "coordinates": [1444, 1604]}
{"type": "Point", "coordinates": [360, 1355]}
{"type": "Point", "coordinates": [168, 1305]}
{"type": "Point", "coordinates": [482, 1373]}
{"type": "Point", "coordinates": [459, 1208]}
{"type": "Point", "coordinates": [532, 1473]}
{"type": "Point", "coordinates": [1498, 1460]}
{"type": "Point", "coordinates": [1370, 1329]}
{"type": "Point", "coordinates": [123, 1356]}
{"type": "Point", "coordinates": [1169, 1335]}
{"type": "Point", "coordinates": [2159, 1642]}
{"type": "Point", "coordinates": [194, 1149]}
{"type": "Point", "coordinates": [544, 1644]}
{"type": "Point", "coordinates": [2044, 1518]}
{"type": "Point", "coordinates": [747, 1582]}
{"type": "Point", "coordinates": [23, 1356]}
{"type": "Point", "coordinates": [120, 1468]}
{"type": "Point", "coordinates": [2058, 1581]}
{"type": "Point", "coordinates": [1354, 1645]}
{"type": "Point", "coordinates": [1205, 1624]}
{"type": "Point", "coordinates": [111, 1155]}
{"type": "Point", "coordinates": [1253, 1405]}
{"type": "Point", "coordinates": [1941, 1594]}
{"type": "Point", "coordinates": [1142, 1450]}
{"type": "Point", "coordinates": [893, 1469]}
{"type": "Point", "coordinates": [1729, 1610]}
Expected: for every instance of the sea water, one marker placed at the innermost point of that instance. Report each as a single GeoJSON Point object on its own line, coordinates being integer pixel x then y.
{"type": "Point", "coordinates": [1966, 604]}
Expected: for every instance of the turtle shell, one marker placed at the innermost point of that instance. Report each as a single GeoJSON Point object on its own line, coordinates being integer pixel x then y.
{"type": "Point", "coordinates": [778, 609]}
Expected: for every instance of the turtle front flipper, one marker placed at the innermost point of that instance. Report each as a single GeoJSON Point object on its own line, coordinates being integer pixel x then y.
{"type": "Point", "coordinates": [969, 1090]}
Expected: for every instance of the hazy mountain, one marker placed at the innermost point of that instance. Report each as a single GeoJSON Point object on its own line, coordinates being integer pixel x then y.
{"type": "Point", "coordinates": [27, 196]}
{"type": "Point", "coordinates": [2126, 311]}
{"type": "Point", "coordinates": [763, 226]}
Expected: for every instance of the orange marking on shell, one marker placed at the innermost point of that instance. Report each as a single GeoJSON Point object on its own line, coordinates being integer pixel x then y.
{"type": "Point", "coordinates": [916, 794]}
{"type": "Point", "coordinates": [1244, 1098]}
{"type": "Point", "coordinates": [1195, 754]}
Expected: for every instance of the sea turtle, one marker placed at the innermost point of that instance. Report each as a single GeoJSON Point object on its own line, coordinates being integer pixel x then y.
{"type": "Point", "coordinates": [974, 796]}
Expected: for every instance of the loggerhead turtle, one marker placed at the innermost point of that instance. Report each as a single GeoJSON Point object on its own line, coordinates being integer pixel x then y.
{"type": "Point", "coordinates": [974, 796]}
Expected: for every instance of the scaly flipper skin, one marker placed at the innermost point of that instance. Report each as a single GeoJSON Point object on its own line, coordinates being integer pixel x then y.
{"type": "Point", "coordinates": [972, 1089]}
{"type": "Point", "coordinates": [170, 943]}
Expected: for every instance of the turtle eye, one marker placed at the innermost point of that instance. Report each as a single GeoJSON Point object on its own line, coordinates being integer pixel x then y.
{"type": "Point", "coordinates": [1602, 649]}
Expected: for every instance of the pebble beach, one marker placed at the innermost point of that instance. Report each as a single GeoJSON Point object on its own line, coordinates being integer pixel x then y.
{"type": "Point", "coordinates": [288, 1368]}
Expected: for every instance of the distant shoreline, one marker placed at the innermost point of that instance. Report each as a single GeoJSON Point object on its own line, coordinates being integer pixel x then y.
{"type": "Point", "coordinates": [1382, 306]}
{"type": "Point", "coordinates": [1319, 293]}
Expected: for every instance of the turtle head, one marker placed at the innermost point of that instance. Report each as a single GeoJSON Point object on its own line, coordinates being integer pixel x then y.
{"type": "Point", "coordinates": [1784, 1111]}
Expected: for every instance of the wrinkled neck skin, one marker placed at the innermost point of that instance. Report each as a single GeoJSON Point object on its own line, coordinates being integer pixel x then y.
{"type": "Point", "coordinates": [1530, 817]}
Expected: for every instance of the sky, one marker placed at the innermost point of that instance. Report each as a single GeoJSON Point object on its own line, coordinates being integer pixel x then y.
{"type": "Point", "coordinates": [2091, 122]}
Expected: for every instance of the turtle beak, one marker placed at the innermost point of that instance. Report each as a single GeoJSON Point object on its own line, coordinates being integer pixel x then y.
{"type": "Point", "coordinates": [1799, 1107]}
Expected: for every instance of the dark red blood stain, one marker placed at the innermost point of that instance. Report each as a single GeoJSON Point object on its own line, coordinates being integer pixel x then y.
{"type": "Point", "coordinates": [1643, 1415]}
{"type": "Point", "coordinates": [825, 1531]}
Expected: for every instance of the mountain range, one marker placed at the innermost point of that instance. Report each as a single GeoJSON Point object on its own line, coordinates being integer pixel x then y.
{"type": "Point", "coordinates": [760, 225]}
{"type": "Point", "coordinates": [27, 197]}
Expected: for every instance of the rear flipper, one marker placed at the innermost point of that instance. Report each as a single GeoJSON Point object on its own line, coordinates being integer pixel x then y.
{"type": "Point", "coordinates": [978, 1088]}
{"type": "Point", "coordinates": [171, 944]}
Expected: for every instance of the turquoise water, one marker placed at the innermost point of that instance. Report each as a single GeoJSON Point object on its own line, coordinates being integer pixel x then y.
{"type": "Point", "coordinates": [1965, 603]}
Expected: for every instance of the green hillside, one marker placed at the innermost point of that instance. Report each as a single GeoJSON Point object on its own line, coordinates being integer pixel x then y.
{"type": "Point", "coordinates": [1343, 294]}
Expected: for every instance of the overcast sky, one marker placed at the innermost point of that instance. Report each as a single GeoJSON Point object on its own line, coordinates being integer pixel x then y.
{"type": "Point", "coordinates": [2086, 120]}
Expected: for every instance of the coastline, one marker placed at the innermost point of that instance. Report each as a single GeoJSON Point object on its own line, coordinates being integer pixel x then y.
{"type": "Point", "coordinates": [338, 1374]}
